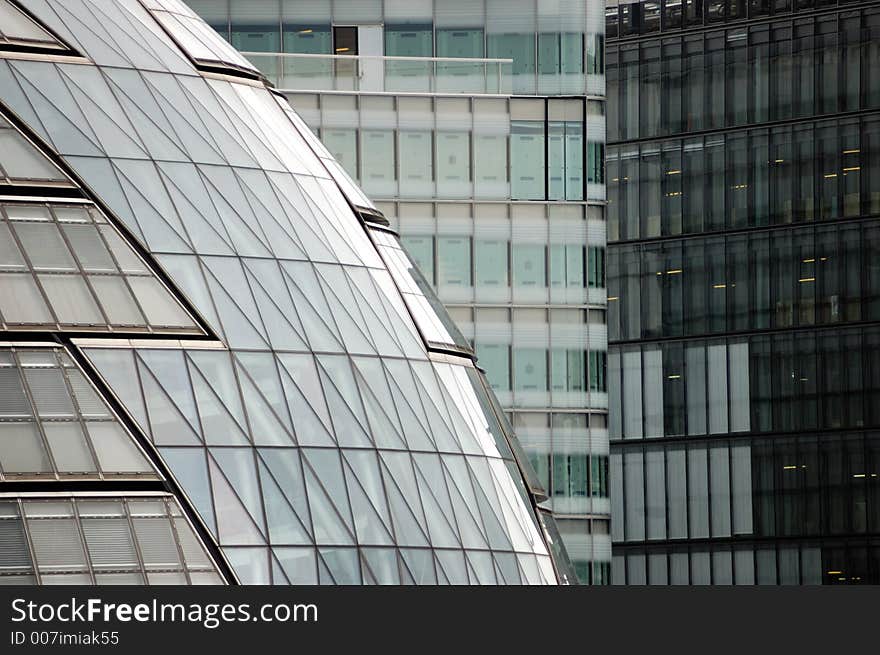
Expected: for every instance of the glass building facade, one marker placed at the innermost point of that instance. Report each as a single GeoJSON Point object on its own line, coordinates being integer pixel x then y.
{"type": "Point", "coordinates": [218, 364]}
{"type": "Point", "coordinates": [477, 127]}
{"type": "Point", "coordinates": [744, 291]}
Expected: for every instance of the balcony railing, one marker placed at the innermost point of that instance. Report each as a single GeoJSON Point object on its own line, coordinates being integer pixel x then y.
{"type": "Point", "coordinates": [306, 72]}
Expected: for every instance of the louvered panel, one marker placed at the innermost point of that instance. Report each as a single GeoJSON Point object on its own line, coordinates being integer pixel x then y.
{"type": "Point", "coordinates": [57, 544]}
{"type": "Point", "coordinates": [13, 545]}
{"type": "Point", "coordinates": [156, 542]}
{"type": "Point", "coordinates": [110, 543]}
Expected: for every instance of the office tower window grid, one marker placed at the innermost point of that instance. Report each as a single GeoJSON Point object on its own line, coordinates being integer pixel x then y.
{"type": "Point", "coordinates": [742, 205]}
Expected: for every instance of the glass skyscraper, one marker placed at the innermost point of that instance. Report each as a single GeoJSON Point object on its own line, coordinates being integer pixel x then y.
{"type": "Point", "coordinates": [477, 127]}
{"type": "Point", "coordinates": [218, 364]}
{"type": "Point", "coordinates": [744, 291]}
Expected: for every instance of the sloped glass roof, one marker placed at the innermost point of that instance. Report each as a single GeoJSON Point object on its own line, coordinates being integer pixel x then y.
{"type": "Point", "coordinates": [55, 425]}
{"type": "Point", "coordinates": [88, 540]}
{"type": "Point", "coordinates": [199, 41]}
{"type": "Point", "coordinates": [21, 162]}
{"type": "Point", "coordinates": [65, 267]}
{"type": "Point", "coordinates": [16, 28]}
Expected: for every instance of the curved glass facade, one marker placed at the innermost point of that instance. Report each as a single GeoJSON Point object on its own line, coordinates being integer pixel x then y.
{"type": "Point", "coordinates": [310, 414]}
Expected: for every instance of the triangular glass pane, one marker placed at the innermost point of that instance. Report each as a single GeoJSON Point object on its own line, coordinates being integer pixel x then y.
{"type": "Point", "coordinates": [302, 388]}
{"type": "Point", "coordinates": [383, 331]}
{"type": "Point", "coordinates": [343, 401]}
{"type": "Point", "coordinates": [20, 160]}
{"type": "Point", "coordinates": [234, 524]}
{"type": "Point", "coordinates": [467, 514]}
{"type": "Point", "coordinates": [266, 429]}
{"type": "Point", "coordinates": [240, 331]}
{"type": "Point", "coordinates": [285, 528]}
{"type": "Point", "coordinates": [342, 564]}
{"type": "Point", "coordinates": [342, 304]}
{"type": "Point", "coordinates": [268, 212]}
{"type": "Point", "coordinates": [327, 523]}
{"type": "Point", "coordinates": [494, 527]}
{"type": "Point", "coordinates": [430, 473]}
{"type": "Point", "coordinates": [188, 125]}
{"type": "Point", "coordinates": [327, 467]}
{"type": "Point", "coordinates": [385, 427]}
{"type": "Point", "coordinates": [382, 564]}
{"type": "Point", "coordinates": [238, 466]}
{"type": "Point", "coordinates": [441, 526]}
{"type": "Point", "coordinates": [190, 468]}
{"type": "Point", "coordinates": [206, 236]}
{"type": "Point", "coordinates": [247, 242]}
{"type": "Point", "coordinates": [156, 218]}
{"type": "Point", "coordinates": [117, 367]}
{"type": "Point", "coordinates": [103, 112]}
{"type": "Point", "coordinates": [15, 26]}
{"type": "Point", "coordinates": [420, 563]}
{"type": "Point", "coordinates": [407, 528]}
{"type": "Point", "coordinates": [508, 568]}
{"type": "Point", "coordinates": [263, 371]}
{"type": "Point", "coordinates": [279, 315]}
{"type": "Point", "coordinates": [453, 564]}
{"type": "Point", "coordinates": [167, 425]}
{"type": "Point", "coordinates": [456, 436]}
{"type": "Point", "coordinates": [401, 373]}
{"type": "Point", "coordinates": [299, 564]}
{"type": "Point", "coordinates": [367, 498]}
{"type": "Point", "coordinates": [300, 219]}
{"type": "Point", "coordinates": [251, 564]}
{"type": "Point", "coordinates": [285, 466]}
{"type": "Point", "coordinates": [217, 423]}
{"type": "Point", "coordinates": [481, 567]}
{"type": "Point", "coordinates": [324, 575]}
{"type": "Point", "coordinates": [55, 106]}
{"type": "Point", "coordinates": [169, 369]}
{"type": "Point", "coordinates": [308, 299]}
{"type": "Point", "coordinates": [279, 578]}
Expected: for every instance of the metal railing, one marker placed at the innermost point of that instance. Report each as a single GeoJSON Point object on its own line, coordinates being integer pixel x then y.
{"type": "Point", "coordinates": [370, 73]}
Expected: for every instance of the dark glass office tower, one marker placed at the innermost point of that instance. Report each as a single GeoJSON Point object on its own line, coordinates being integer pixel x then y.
{"type": "Point", "coordinates": [744, 291]}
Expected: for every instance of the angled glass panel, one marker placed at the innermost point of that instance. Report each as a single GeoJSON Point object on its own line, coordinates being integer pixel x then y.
{"type": "Point", "coordinates": [430, 315]}
{"type": "Point", "coordinates": [16, 28]}
{"type": "Point", "coordinates": [56, 425]}
{"type": "Point", "coordinates": [99, 540]}
{"type": "Point", "coordinates": [22, 163]}
{"type": "Point", "coordinates": [67, 267]}
{"type": "Point", "coordinates": [199, 41]}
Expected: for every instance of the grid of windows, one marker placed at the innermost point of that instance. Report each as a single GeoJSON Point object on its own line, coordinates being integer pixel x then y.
{"type": "Point", "coordinates": [746, 458]}
{"type": "Point", "coordinates": [813, 275]}
{"type": "Point", "coordinates": [641, 17]}
{"type": "Point", "coordinates": [809, 171]}
{"type": "Point", "coordinates": [447, 147]}
{"type": "Point", "coordinates": [767, 72]}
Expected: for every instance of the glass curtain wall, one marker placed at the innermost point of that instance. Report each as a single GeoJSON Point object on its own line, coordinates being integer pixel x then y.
{"type": "Point", "coordinates": [743, 292]}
